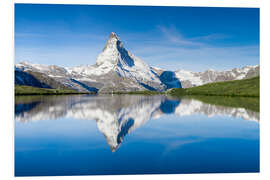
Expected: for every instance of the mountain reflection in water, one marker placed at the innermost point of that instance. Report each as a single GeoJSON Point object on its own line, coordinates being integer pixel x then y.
{"type": "Point", "coordinates": [118, 115]}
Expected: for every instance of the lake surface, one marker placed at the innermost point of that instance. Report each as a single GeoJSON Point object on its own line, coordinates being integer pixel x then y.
{"type": "Point", "coordinates": [132, 134]}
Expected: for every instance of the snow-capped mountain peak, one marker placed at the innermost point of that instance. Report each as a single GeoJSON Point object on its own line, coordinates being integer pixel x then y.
{"type": "Point", "coordinates": [113, 35]}
{"type": "Point", "coordinates": [110, 52]}
{"type": "Point", "coordinates": [115, 58]}
{"type": "Point", "coordinates": [114, 53]}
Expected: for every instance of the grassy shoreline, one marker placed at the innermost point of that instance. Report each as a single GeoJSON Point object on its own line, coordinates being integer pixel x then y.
{"type": "Point", "coordinates": [29, 90]}
{"type": "Point", "coordinates": [236, 88]}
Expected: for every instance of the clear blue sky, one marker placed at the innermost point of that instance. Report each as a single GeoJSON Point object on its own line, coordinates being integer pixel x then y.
{"type": "Point", "coordinates": [191, 38]}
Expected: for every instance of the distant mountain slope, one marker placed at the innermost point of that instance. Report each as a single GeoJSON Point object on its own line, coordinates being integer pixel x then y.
{"type": "Point", "coordinates": [52, 76]}
{"type": "Point", "coordinates": [37, 79]}
{"type": "Point", "coordinates": [245, 87]}
{"type": "Point", "coordinates": [24, 78]}
{"type": "Point", "coordinates": [191, 79]}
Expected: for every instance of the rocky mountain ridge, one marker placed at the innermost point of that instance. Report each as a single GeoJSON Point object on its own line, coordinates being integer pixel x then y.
{"type": "Point", "coordinates": [191, 79]}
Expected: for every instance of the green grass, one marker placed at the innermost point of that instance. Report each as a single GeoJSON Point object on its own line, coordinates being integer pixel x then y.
{"type": "Point", "coordinates": [240, 88]}
{"type": "Point", "coordinates": [29, 90]}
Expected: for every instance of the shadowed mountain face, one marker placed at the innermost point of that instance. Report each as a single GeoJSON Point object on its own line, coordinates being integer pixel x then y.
{"type": "Point", "coordinates": [169, 78]}
{"type": "Point", "coordinates": [117, 116]}
{"type": "Point", "coordinates": [25, 78]}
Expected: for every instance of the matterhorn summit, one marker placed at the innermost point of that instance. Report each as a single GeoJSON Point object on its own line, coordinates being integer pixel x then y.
{"type": "Point", "coordinates": [111, 50]}
{"type": "Point", "coordinates": [120, 70]}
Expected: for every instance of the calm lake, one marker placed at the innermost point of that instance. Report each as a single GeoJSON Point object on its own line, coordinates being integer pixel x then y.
{"type": "Point", "coordinates": [133, 134]}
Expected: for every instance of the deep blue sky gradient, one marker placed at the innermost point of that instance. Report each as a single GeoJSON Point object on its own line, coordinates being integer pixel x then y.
{"type": "Point", "coordinates": [191, 38]}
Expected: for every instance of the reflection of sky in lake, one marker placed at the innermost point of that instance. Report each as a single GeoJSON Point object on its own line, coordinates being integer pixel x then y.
{"type": "Point", "coordinates": [167, 143]}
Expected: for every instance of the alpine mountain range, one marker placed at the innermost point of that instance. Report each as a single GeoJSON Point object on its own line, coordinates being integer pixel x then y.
{"type": "Point", "coordinates": [118, 70]}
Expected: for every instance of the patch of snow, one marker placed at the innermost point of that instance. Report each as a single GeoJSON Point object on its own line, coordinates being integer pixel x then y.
{"type": "Point", "coordinates": [184, 75]}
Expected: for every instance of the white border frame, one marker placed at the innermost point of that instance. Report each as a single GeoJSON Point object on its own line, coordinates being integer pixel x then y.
{"type": "Point", "coordinates": [205, 3]}
{"type": "Point", "coordinates": [7, 85]}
